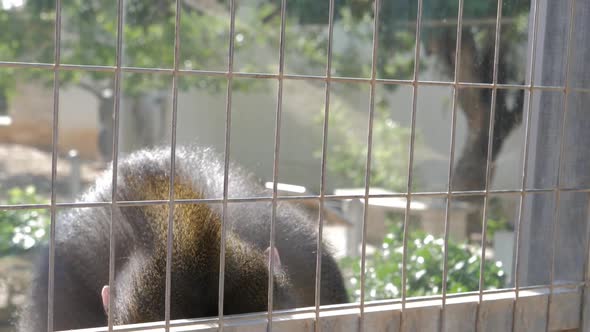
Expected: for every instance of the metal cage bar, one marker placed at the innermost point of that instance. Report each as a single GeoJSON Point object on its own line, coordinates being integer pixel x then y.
{"type": "Point", "coordinates": [528, 114]}
{"type": "Point", "coordinates": [228, 111]}
{"type": "Point", "coordinates": [451, 168]}
{"type": "Point", "coordinates": [383, 311]}
{"type": "Point", "coordinates": [320, 228]}
{"type": "Point", "coordinates": [170, 234]}
{"type": "Point", "coordinates": [276, 155]}
{"type": "Point", "coordinates": [54, 149]}
{"type": "Point", "coordinates": [372, 81]}
{"type": "Point", "coordinates": [488, 173]}
{"type": "Point", "coordinates": [556, 211]}
{"type": "Point", "coordinates": [115, 154]}
{"type": "Point", "coordinates": [438, 194]}
{"type": "Point", "coordinates": [295, 77]}
{"type": "Point", "coordinates": [410, 161]}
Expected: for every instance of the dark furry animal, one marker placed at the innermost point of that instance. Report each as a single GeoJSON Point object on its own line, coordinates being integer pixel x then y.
{"type": "Point", "coordinates": [82, 249]}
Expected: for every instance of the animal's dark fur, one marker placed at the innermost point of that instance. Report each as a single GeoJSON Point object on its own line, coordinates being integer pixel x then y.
{"type": "Point", "coordinates": [82, 249]}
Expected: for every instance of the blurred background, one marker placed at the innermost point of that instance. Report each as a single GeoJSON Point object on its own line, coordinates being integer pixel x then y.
{"type": "Point", "coordinates": [85, 130]}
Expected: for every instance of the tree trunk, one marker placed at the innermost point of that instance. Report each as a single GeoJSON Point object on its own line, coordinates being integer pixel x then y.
{"type": "Point", "coordinates": [475, 103]}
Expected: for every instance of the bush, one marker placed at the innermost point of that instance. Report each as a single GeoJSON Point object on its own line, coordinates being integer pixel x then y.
{"type": "Point", "coordinates": [424, 266]}
{"type": "Point", "coordinates": [22, 230]}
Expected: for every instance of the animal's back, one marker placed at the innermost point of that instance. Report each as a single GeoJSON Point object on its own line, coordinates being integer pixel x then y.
{"type": "Point", "coordinates": [82, 234]}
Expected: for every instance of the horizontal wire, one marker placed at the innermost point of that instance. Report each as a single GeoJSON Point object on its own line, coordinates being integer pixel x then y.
{"type": "Point", "coordinates": [286, 198]}
{"type": "Point", "coordinates": [338, 79]}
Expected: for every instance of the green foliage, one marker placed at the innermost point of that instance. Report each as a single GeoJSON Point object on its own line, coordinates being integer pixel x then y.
{"type": "Point", "coordinates": [424, 267]}
{"type": "Point", "coordinates": [495, 225]}
{"type": "Point", "coordinates": [89, 36]}
{"type": "Point", "coordinates": [21, 230]}
{"type": "Point", "coordinates": [396, 38]}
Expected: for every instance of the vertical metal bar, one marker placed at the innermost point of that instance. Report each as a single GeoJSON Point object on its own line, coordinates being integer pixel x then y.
{"type": "Point", "coordinates": [368, 161]}
{"type": "Point", "coordinates": [525, 163]}
{"type": "Point", "coordinates": [230, 69]}
{"type": "Point", "coordinates": [170, 235]}
{"type": "Point", "coordinates": [116, 111]}
{"type": "Point", "coordinates": [54, 146]}
{"type": "Point", "coordinates": [584, 304]}
{"type": "Point", "coordinates": [318, 267]}
{"type": "Point", "coordinates": [411, 160]}
{"type": "Point", "coordinates": [566, 92]}
{"type": "Point", "coordinates": [275, 170]}
{"type": "Point", "coordinates": [489, 161]}
{"type": "Point", "coordinates": [451, 162]}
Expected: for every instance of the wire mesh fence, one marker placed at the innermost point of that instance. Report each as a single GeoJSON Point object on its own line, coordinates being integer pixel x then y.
{"type": "Point", "coordinates": [440, 147]}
